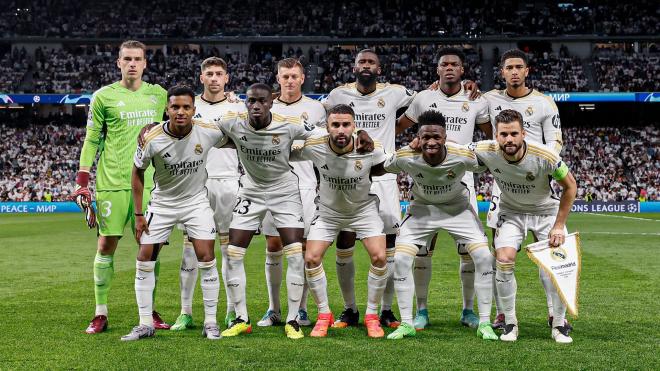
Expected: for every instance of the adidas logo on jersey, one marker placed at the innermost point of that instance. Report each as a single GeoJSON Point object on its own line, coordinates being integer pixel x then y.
{"type": "Point", "coordinates": [121, 103]}
{"type": "Point", "coordinates": [433, 106]}
{"type": "Point", "coordinates": [497, 171]}
{"type": "Point", "coordinates": [420, 175]}
{"type": "Point", "coordinates": [167, 155]}
{"type": "Point", "coordinates": [197, 116]}
{"type": "Point", "coordinates": [243, 138]}
{"type": "Point", "coordinates": [352, 104]}
{"type": "Point", "coordinates": [498, 108]}
{"type": "Point", "coordinates": [325, 167]}
{"type": "Point", "coordinates": [301, 220]}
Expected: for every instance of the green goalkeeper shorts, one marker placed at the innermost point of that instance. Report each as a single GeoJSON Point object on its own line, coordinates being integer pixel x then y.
{"type": "Point", "coordinates": [114, 209]}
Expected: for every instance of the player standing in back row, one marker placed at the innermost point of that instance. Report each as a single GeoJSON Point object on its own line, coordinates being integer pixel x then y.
{"type": "Point", "coordinates": [291, 102]}
{"type": "Point", "coordinates": [222, 184]}
{"type": "Point", "coordinates": [462, 115]}
{"type": "Point", "coordinates": [117, 114]}
{"type": "Point", "coordinates": [542, 125]}
{"type": "Point", "coordinates": [375, 107]}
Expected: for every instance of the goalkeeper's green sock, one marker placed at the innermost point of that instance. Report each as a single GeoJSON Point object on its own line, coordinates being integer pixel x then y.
{"type": "Point", "coordinates": [103, 272]}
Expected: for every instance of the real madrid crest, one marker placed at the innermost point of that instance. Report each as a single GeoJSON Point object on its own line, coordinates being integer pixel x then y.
{"type": "Point", "coordinates": [153, 99]}
{"type": "Point", "coordinates": [466, 107]}
{"type": "Point", "coordinates": [198, 149]}
{"type": "Point", "coordinates": [530, 177]}
{"type": "Point", "coordinates": [558, 254]}
{"type": "Point", "coordinates": [381, 102]}
{"type": "Point", "coordinates": [451, 174]}
{"type": "Point", "coordinates": [358, 165]}
{"type": "Point", "coordinates": [304, 116]}
{"type": "Point", "coordinates": [529, 111]}
{"type": "Point", "coordinates": [276, 139]}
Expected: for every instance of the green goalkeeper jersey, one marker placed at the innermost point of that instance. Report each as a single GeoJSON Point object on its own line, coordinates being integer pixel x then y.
{"type": "Point", "coordinates": [116, 116]}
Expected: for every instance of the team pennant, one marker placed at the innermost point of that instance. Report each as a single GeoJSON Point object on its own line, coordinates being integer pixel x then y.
{"type": "Point", "coordinates": [563, 265]}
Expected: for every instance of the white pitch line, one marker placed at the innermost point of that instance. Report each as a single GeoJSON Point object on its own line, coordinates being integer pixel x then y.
{"type": "Point", "coordinates": [626, 217]}
{"type": "Point", "coordinates": [624, 233]}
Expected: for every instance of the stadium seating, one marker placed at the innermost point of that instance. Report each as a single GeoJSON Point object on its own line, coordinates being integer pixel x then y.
{"type": "Point", "coordinates": [201, 18]}
{"type": "Point", "coordinates": [44, 156]}
{"type": "Point", "coordinates": [626, 72]}
{"type": "Point", "coordinates": [83, 69]}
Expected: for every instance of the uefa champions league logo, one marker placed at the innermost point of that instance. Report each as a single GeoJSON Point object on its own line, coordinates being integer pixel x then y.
{"type": "Point", "coordinates": [632, 208]}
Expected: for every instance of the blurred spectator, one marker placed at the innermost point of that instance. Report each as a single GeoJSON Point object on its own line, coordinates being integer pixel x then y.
{"type": "Point", "coordinates": [356, 18]}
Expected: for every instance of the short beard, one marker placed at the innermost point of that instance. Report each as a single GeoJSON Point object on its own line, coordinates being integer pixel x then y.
{"type": "Point", "coordinates": [503, 148]}
{"type": "Point", "coordinates": [367, 81]}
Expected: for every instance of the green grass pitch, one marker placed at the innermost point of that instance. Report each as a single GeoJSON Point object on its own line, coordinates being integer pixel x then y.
{"type": "Point", "coordinates": [46, 301]}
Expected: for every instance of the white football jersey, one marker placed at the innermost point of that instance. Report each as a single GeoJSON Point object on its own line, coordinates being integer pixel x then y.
{"type": "Point", "coordinates": [525, 184]}
{"type": "Point", "coordinates": [441, 184]}
{"type": "Point", "coordinates": [374, 112]}
{"type": "Point", "coordinates": [222, 162]}
{"type": "Point", "coordinates": [179, 164]}
{"type": "Point", "coordinates": [344, 179]}
{"type": "Point", "coordinates": [310, 112]}
{"type": "Point", "coordinates": [539, 112]}
{"type": "Point", "coordinates": [264, 153]}
{"type": "Point", "coordinates": [461, 114]}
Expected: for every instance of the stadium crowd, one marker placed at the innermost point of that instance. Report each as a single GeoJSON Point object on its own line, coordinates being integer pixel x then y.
{"type": "Point", "coordinates": [413, 66]}
{"type": "Point", "coordinates": [38, 162]}
{"type": "Point", "coordinates": [82, 69]}
{"type": "Point", "coordinates": [551, 72]}
{"type": "Point", "coordinates": [616, 71]}
{"type": "Point", "coordinates": [366, 18]}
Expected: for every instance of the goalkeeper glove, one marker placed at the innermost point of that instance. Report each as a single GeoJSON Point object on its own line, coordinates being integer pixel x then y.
{"type": "Point", "coordinates": [83, 198]}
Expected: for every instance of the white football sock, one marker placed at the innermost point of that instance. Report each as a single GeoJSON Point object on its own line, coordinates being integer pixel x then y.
{"type": "Point", "coordinates": [547, 288]}
{"type": "Point", "coordinates": [558, 306]}
{"type": "Point", "coordinates": [223, 270]}
{"type": "Point", "coordinates": [273, 268]}
{"type": "Point", "coordinates": [506, 289]}
{"type": "Point", "coordinates": [422, 271]}
{"type": "Point", "coordinates": [388, 293]}
{"type": "Point", "coordinates": [210, 284]}
{"type": "Point", "coordinates": [376, 282]}
{"type": "Point", "coordinates": [295, 278]}
{"type": "Point", "coordinates": [236, 280]}
{"type": "Point", "coordinates": [303, 299]}
{"type": "Point", "coordinates": [187, 276]}
{"type": "Point", "coordinates": [145, 281]}
{"type": "Point", "coordinates": [318, 287]}
{"type": "Point", "coordinates": [346, 276]}
{"type": "Point", "coordinates": [483, 281]}
{"type": "Point", "coordinates": [404, 281]}
{"type": "Point", "coordinates": [466, 273]}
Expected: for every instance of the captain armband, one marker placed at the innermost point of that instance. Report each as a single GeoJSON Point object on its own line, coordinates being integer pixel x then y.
{"type": "Point", "coordinates": [561, 171]}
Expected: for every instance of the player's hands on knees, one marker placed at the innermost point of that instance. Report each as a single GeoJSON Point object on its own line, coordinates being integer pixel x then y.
{"type": "Point", "coordinates": [141, 226]}
{"type": "Point", "coordinates": [83, 197]}
{"type": "Point", "coordinates": [557, 237]}
{"type": "Point", "coordinates": [364, 142]}
{"type": "Point", "coordinates": [143, 133]}
{"type": "Point", "coordinates": [473, 88]}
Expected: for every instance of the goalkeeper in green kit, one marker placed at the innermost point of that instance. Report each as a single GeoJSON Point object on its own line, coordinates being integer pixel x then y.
{"type": "Point", "coordinates": [117, 113]}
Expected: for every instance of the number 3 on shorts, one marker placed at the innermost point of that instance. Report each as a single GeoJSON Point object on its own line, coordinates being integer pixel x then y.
{"type": "Point", "coordinates": [106, 209]}
{"type": "Point", "coordinates": [242, 206]}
